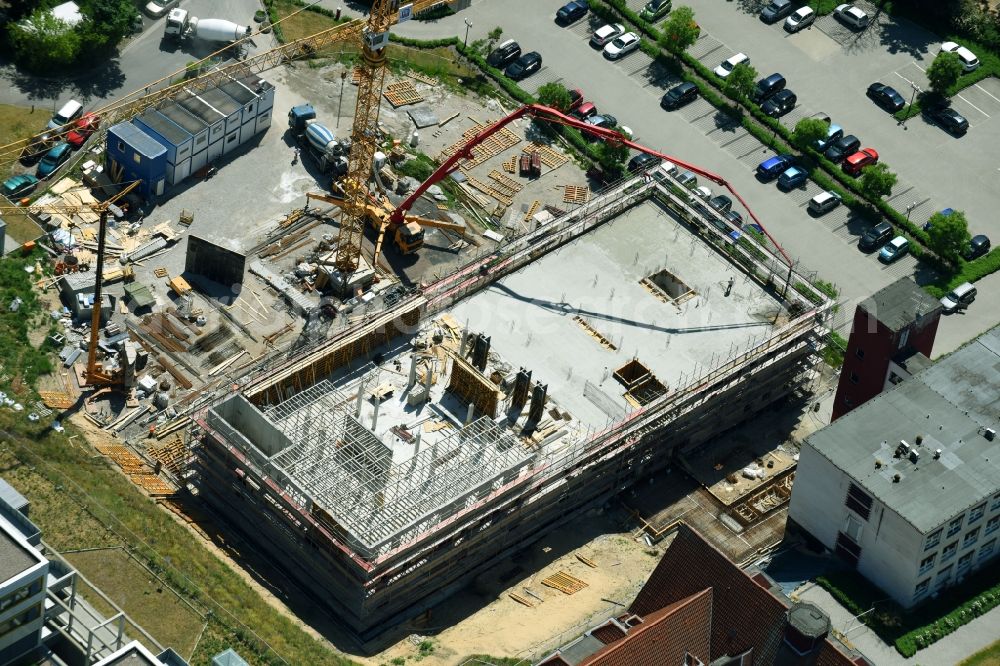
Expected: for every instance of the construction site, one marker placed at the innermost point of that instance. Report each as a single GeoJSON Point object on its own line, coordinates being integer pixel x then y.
{"type": "Point", "coordinates": [391, 385]}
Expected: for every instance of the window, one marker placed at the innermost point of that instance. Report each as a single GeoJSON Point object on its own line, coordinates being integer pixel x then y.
{"type": "Point", "coordinates": [987, 549]}
{"type": "Point", "coordinates": [992, 524]}
{"type": "Point", "coordinates": [995, 504]}
{"type": "Point", "coordinates": [859, 502]}
{"type": "Point", "coordinates": [954, 526]}
{"type": "Point", "coordinates": [927, 564]}
{"type": "Point", "coordinates": [970, 538]}
{"type": "Point", "coordinates": [964, 562]}
{"type": "Point", "coordinates": [977, 513]}
{"type": "Point", "coordinates": [943, 577]}
{"type": "Point", "coordinates": [20, 619]}
{"type": "Point", "coordinates": [860, 353]}
{"type": "Point", "coordinates": [16, 596]}
{"type": "Point", "coordinates": [933, 540]}
{"type": "Point", "coordinates": [847, 549]}
{"type": "Point", "coordinates": [922, 588]}
{"type": "Point", "coordinates": [854, 378]}
{"type": "Point", "coordinates": [852, 527]}
{"type": "Point", "coordinates": [137, 158]}
{"type": "Point", "coordinates": [949, 551]}
{"type": "Point", "coordinates": [121, 146]}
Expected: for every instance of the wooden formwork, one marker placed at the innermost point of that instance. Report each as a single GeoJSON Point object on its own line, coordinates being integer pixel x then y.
{"type": "Point", "coordinates": [491, 147]}
{"type": "Point", "coordinates": [506, 181]}
{"type": "Point", "coordinates": [550, 158]}
{"type": "Point", "coordinates": [578, 194]}
{"type": "Point", "coordinates": [472, 387]}
{"type": "Point", "coordinates": [564, 582]}
{"type": "Point", "coordinates": [172, 454]}
{"type": "Point", "coordinates": [402, 93]}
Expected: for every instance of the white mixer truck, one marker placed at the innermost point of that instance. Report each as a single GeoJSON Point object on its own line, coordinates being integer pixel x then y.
{"type": "Point", "coordinates": [181, 25]}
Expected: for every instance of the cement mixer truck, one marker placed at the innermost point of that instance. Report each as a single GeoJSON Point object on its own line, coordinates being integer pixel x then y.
{"type": "Point", "coordinates": [181, 25]}
{"type": "Point", "coordinates": [318, 141]}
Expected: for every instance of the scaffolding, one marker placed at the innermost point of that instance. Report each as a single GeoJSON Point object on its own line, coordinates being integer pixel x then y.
{"type": "Point", "coordinates": [349, 474]}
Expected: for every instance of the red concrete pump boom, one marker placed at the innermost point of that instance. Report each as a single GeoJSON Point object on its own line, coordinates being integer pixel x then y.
{"type": "Point", "coordinates": [552, 115]}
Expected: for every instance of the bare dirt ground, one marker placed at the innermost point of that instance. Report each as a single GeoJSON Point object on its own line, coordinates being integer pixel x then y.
{"type": "Point", "coordinates": [503, 627]}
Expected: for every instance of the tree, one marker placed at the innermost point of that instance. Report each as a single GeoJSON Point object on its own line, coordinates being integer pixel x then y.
{"type": "Point", "coordinates": [808, 131]}
{"type": "Point", "coordinates": [555, 95]}
{"type": "Point", "coordinates": [876, 181]}
{"type": "Point", "coordinates": [948, 234]}
{"type": "Point", "coordinates": [107, 23]}
{"type": "Point", "coordinates": [740, 82]}
{"type": "Point", "coordinates": [944, 72]}
{"type": "Point", "coordinates": [679, 31]}
{"type": "Point", "coordinates": [43, 43]}
{"type": "Point", "coordinates": [612, 155]}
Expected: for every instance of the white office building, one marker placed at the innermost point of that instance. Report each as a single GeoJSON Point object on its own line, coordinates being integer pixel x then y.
{"type": "Point", "coordinates": [907, 486]}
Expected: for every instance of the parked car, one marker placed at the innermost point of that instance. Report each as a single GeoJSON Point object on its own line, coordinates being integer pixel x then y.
{"type": "Point", "coordinates": [947, 117]}
{"type": "Point", "coordinates": [853, 165]}
{"type": "Point", "coordinates": [606, 121]}
{"type": "Point", "coordinates": [69, 112]}
{"type": "Point", "coordinates": [772, 167]}
{"type": "Point", "coordinates": [802, 17]}
{"type": "Point", "coordinates": [886, 97]}
{"type": "Point", "coordinates": [503, 55]}
{"type": "Point", "coordinates": [54, 159]}
{"type": "Point", "coordinates": [833, 132]}
{"type": "Point", "coordinates": [655, 10]}
{"type": "Point", "coordinates": [642, 161]}
{"type": "Point", "coordinates": [19, 186]}
{"type": "Point", "coordinates": [575, 99]}
{"type": "Point", "coordinates": [734, 218]}
{"type": "Point", "coordinates": [782, 102]}
{"type": "Point", "coordinates": [688, 180]}
{"type": "Point", "coordinates": [157, 8]}
{"type": "Point", "coordinates": [605, 34]}
{"type": "Point", "coordinates": [792, 177]}
{"type": "Point", "coordinates": [776, 10]}
{"type": "Point", "coordinates": [945, 213]}
{"type": "Point", "coordinates": [959, 298]}
{"type": "Point", "coordinates": [721, 203]}
{"type": "Point", "coordinates": [572, 11]}
{"type": "Point", "coordinates": [824, 202]}
{"type": "Point", "coordinates": [978, 246]}
{"type": "Point", "coordinates": [842, 147]}
{"type": "Point", "coordinates": [82, 129]}
{"type": "Point", "coordinates": [851, 16]}
{"type": "Point", "coordinates": [621, 46]}
{"type": "Point", "coordinates": [894, 249]}
{"type": "Point", "coordinates": [767, 86]}
{"type": "Point", "coordinates": [730, 63]}
{"type": "Point", "coordinates": [965, 56]}
{"type": "Point", "coordinates": [36, 147]}
{"type": "Point", "coordinates": [584, 111]}
{"type": "Point", "coordinates": [524, 66]}
{"type": "Point", "coordinates": [679, 95]}
{"type": "Point", "coordinates": [875, 237]}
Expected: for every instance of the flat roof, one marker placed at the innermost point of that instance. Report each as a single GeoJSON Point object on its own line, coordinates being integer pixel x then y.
{"type": "Point", "coordinates": [184, 119]}
{"type": "Point", "coordinates": [949, 405]}
{"type": "Point", "coordinates": [238, 91]}
{"type": "Point", "coordinates": [15, 558]}
{"type": "Point", "coordinates": [220, 101]}
{"type": "Point", "coordinates": [165, 127]}
{"type": "Point", "coordinates": [201, 109]}
{"type": "Point", "coordinates": [576, 315]}
{"type": "Point", "coordinates": [138, 140]}
{"type": "Point", "coordinates": [132, 654]}
{"type": "Point", "coordinates": [900, 303]}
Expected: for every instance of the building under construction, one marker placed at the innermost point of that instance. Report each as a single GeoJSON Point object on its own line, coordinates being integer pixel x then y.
{"type": "Point", "coordinates": [444, 430]}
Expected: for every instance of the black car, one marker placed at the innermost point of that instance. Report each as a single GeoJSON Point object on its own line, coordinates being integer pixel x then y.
{"type": "Point", "coordinates": [782, 102]}
{"type": "Point", "coordinates": [978, 246]}
{"type": "Point", "coordinates": [837, 151]}
{"type": "Point", "coordinates": [571, 11]}
{"type": "Point", "coordinates": [947, 117]}
{"type": "Point", "coordinates": [504, 54]}
{"type": "Point", "coordinates": [886, 97]}
{"type": "Point", "coordinates": [642, 161]}
{"type": "Point", "coordinates": [776, 10]}
{"type": "Point", "coordinates": [876, 237]}
{"type": "Point", "coordinates": [735, 218]}
{"type": "Point", "coordinates": [721, 203]}
{"type": "Point", "coordinates": [679, 95]}
{"type": "Point", "coordinates": [524, 66]}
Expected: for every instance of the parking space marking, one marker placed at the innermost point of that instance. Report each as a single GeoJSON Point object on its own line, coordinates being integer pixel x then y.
{"type": "Point", "coordinates": [960, 96]}
{"type": "Point", "coordinates": [987, 92]}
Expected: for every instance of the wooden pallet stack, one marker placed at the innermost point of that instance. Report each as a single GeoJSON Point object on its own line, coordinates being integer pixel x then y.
{"type": "Point", "coordinates": [564, 582]}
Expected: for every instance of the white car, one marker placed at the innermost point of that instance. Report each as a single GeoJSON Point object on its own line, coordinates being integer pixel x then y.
{"type": "Point", "coordinates": [852, 16]}
{"type": "Point", "coordinates": [603, 35]}
{"type": "Point", "coordinates": [965, 56]}
{"type": "Point", "coordinates": [702, 193]}
{"type": "Point", "coordinates": [622, 46]}
{"type": "Point", "coordinates": [727, 66]}
{"type": "Point", "coordinates": [800, 18]}
{"type": "Point", "coordinates": [157, 8]}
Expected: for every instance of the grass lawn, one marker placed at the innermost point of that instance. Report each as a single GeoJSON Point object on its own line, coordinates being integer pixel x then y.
{"type": "Point", "coordinates": [18, 122]}
{"type": "Point", "coordinates": [989, 656]}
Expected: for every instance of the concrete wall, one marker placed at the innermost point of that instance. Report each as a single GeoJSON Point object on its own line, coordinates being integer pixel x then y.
{"type": "Point", "coordinates": [253, 425]}
{"type": "Point", "coordinates": [214, 262]}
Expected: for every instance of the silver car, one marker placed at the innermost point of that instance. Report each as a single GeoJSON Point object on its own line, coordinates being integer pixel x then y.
{"type": "Point", "coordinates": [157, 8]}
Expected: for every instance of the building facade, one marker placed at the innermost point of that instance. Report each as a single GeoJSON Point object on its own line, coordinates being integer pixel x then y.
{"type": "Point", "coordinates": [907, 487]}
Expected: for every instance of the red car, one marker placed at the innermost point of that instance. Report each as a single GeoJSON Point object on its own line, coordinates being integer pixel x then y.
{"type": "Point", "coordinates": [859, 160]}
{"type": "Point", "coordinates": [575, 99]}
{"type": "Point", "coordinates": [584, 111]}
{"type": "Point", "coordinates": [82, 129]}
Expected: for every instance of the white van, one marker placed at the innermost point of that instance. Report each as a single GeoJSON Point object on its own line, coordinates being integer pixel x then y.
{"type": "Point", "coordinates": [824, 202]}
{"type": "Point", "coordinates": [959, 298]}
{"type": "Point", "coordinates": [70, 111]}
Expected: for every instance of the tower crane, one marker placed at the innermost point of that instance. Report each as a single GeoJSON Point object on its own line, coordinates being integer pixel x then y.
{"type": "Point", "coordinates": [96, 375]}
